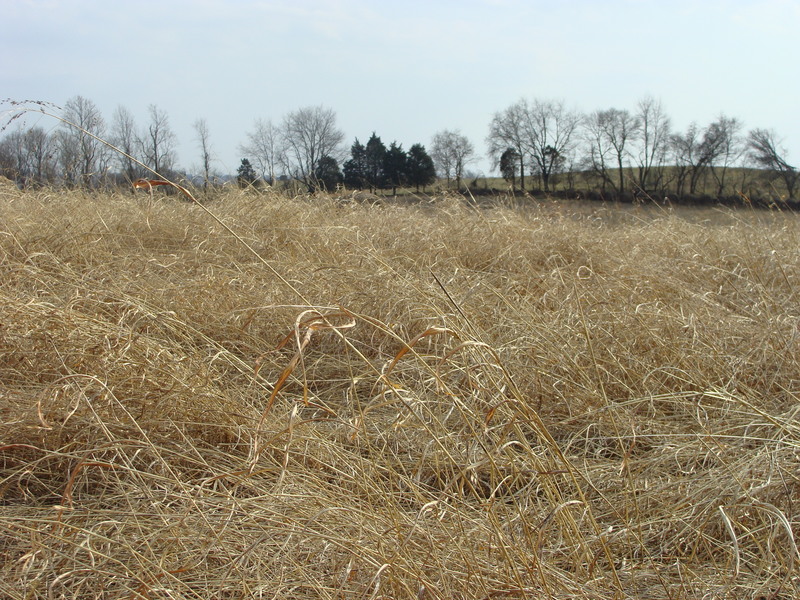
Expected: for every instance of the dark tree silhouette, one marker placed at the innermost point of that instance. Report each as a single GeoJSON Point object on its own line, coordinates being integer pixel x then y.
{"type": "Point", "coordinates": [394, 166]}
{"type": "Point", "coordinates": [245, 174]}
{"type": "Point", "coordinates": [355, 169]}
{"type": "Point", "coordinates": [420, 170]}
{"type": "Point", "coordinates": [328, 175]}
{"type": "Point", "coordinates": [375, 152]}
{"type": "Point", "coordinates": [509, 161]}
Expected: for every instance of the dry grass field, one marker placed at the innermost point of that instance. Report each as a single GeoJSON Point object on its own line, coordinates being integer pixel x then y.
{"type": "Point", "coordinates": [427, 401]}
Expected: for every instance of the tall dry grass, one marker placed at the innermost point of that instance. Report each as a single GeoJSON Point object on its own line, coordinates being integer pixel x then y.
{"type": "Point", "coordinates": [426, 401]}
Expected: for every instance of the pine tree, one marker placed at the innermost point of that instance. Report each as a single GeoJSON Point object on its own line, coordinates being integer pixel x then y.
{"type": "Point", "coordinates": [355, 169]}
{"type": "Point", "coordinates": [394, 166]}
{"type": "Point", "coordinates": [420, 170]}
{"type": "Point", "coordinates": [375, 152]}
{"type": "Point", "coordinates": [327, 173]}
{"type": "Point", "coordinates": [245, 174]}
{"type": "Point", "coordinates": [508, 166]}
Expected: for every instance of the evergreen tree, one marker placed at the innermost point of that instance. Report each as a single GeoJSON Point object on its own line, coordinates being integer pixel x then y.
{"type": "Point", "coordinates": [394, 166]}
{"type": "Point", "coordinates": [245, 174]}
{"type": "Point", "coordinates": [375, 153]}
{"type": "Point", "coordinates": [508, 166]}
{"type": "Point", "coordinates": [355, 169]}
{"type": "Point", "coordinates": [420, 170]}
{"type": "Point", "coordinates": [327, 173]}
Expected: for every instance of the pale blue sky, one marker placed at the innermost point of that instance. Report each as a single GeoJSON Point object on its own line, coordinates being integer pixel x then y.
{"type": "Point", "coordinates": [404, 69]}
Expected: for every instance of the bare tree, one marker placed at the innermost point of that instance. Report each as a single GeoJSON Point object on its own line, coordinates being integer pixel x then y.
{"type": "Point", "coordinates": [201, 128]}
{"type": "Point", "coordinates": [6, 159]}
{"type": "Point", "coordinates": [264, 147]}
{"type": "Point", "coordinates": [124, 137]}
{"type": "Point", "coordinates": [67, 158]}
{"type": "Point", "coordinates": [158, 142]}
{"type": "Point", "coordinates": [82, 154]}
{"type": "Point", "coordinates": [698, 152]}
{"type": "Point", "coordinates": [687, 155]}
{"type": "Point", "coordinates": [728, 143]}
{"type": "Point", "coordinates": [765, 151]}
{"type": "Point", "coordinates": [599, 152]}
{"type": "Point", "coordinates": [609, 133]}
{"type": "Point", "coordinates": [14, 156]}
{"type": "Point", "coordinates": [451, 152]}
{"type": "Point", "coordinates": [308, 135]}
{"type": "Point", "coordinates": [549, 133]}
{"type": "Point", "coordinates": [652, 143]}
{"type": "Point", "coordinates": [507, 131]}
{"type": "Point", "coordinates": [38, 154]}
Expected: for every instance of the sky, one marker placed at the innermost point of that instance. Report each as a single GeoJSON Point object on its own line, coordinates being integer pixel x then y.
{"type": "Point", "coordinates": [402, 69]}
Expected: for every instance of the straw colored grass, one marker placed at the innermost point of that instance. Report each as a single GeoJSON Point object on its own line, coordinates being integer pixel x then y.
{"type": "Point", "coordinates": [423, 401]}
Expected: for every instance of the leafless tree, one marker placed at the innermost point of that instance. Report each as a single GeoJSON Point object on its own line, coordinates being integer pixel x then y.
{"type": "Point", "coordinates": [8, 162]}
{"type": "Point", "coordinates": [203, 138]}
{"type": "Point", "coordinates": [765, 152]}
{"type": "Point", "coordinates": [451, 152]}
{"type": "Point", "coordinates": [68, 159]}
{"type": "Point", "coordinates": [729, 148]}
{"type": "Point", "coordinates": [599, 152]}
{"type": "Point", "coordinates": [264, 146]}
{"type": "Point", "coordinates": [698, 152]}
{"type": "Point", "coordinates": [550, 136]}
{"type": "Point", "coordinates": [82, 154]}
{"type": "Point", "coordinates": [14, 156]}
{"type": "Point", "coordinates": [507, 130]}
{"type": "Point", "coordinates": [158, 142]}
{"type": "Point", "coordinates": [652, 143]}
{"type": "Point", "coordinates": [609, 134]}
{"type": "Point", "coordinates": [124, 137]}
{"type": "Point", "coordinates": [686, 154]}
{"type": "Point", "coordinates": [38, 152]}
{"type": "Point", "coordinates": [309, 135]}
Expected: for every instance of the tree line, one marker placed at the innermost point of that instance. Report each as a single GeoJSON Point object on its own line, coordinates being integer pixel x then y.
{"type": "Point", "coordinates": [74, 155]}
{"type": "Point", "coordinates": [535, 145]}
{"type": "Point", "coordinates": [626, 151]}
{"type": "Point", "coordinates": [306, 148]}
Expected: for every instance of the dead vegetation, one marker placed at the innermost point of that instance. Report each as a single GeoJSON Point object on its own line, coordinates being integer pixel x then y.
{"type": "Point", "coordinates": [438, 401]}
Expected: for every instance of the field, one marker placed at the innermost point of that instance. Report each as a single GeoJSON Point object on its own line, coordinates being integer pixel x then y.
{"type": "Point", "coordinates": [304, 398]}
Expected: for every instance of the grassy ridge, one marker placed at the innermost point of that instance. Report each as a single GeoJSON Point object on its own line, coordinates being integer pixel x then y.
{"type": "Point", "coordinates": [430, 401]}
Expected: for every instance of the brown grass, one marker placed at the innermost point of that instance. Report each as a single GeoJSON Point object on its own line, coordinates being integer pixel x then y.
{"type": "Point", "coordinates": [426, 401]}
